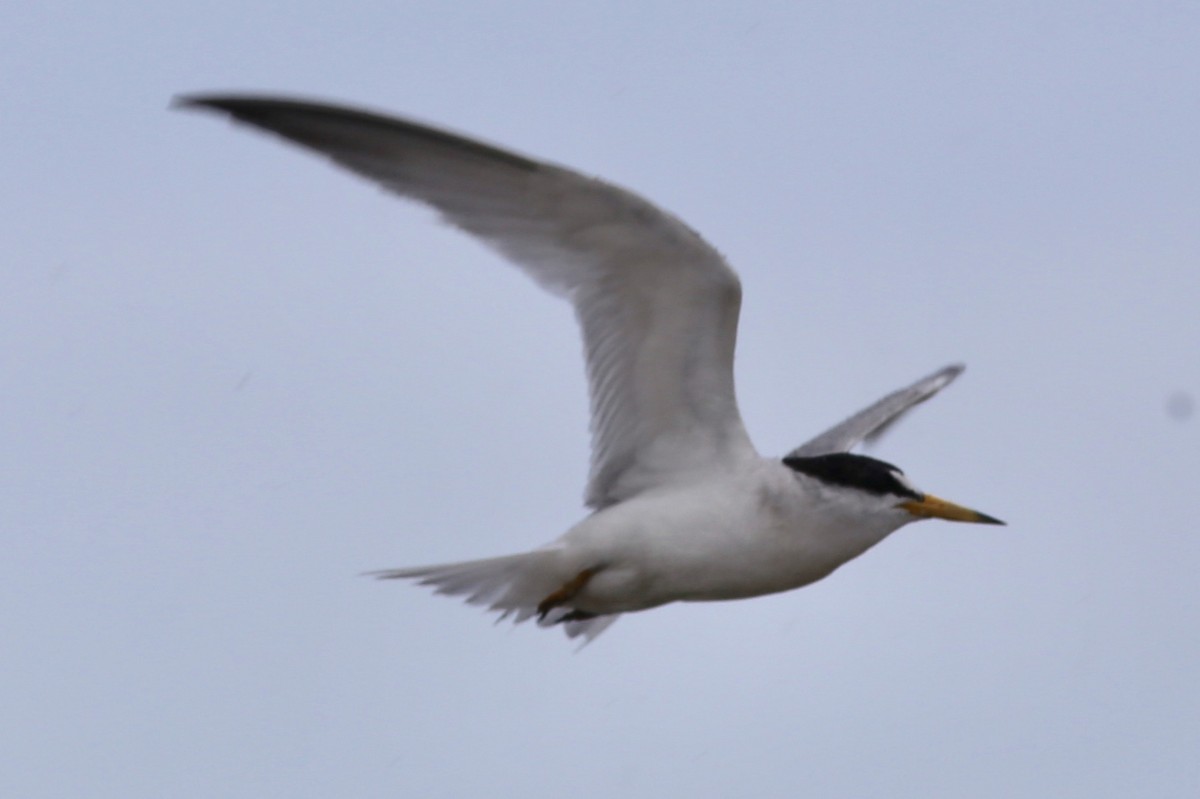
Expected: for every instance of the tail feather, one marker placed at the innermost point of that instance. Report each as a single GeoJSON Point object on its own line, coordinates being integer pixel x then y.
{"type": "Point", "coordinates": [589, 628]}
{"type": "Point", "coordinates": [511, 585]}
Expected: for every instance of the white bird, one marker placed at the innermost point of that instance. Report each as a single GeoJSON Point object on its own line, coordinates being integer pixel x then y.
{"type": "Point", "coordinates": [683, 508]}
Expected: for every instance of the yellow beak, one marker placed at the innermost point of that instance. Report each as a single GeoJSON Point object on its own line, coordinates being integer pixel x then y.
{"type": "Point", "coordinates": [930, 507]}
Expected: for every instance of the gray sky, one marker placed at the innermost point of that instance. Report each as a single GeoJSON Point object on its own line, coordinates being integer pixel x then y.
{"type": "Point", "coordinates": [234, 378]}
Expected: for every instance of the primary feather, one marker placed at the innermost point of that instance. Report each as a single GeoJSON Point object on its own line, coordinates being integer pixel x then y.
{"type": "Point", "coordinates": [657, 305]}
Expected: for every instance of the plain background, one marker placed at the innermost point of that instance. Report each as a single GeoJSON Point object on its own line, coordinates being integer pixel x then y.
{"type": "Point", "coordinates": [234, 378]}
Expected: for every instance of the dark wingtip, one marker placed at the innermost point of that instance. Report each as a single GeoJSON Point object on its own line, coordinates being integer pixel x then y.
{"type": "Point", "coordinates": [185, 101]}
{"type": "Point", "coordinates": [237, 104]}
{"type": "Point", "coordinates": [985, 519]}
{"type": "Point", "coordinates": [949, 373]}
{"type": "Point", "coordinates": [222, 102]}
{"type": "Point", "coordinates": [321, 125]}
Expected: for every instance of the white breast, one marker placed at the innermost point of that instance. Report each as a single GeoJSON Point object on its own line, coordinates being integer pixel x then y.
{"type": "Point", "coordinates": [758, 532]}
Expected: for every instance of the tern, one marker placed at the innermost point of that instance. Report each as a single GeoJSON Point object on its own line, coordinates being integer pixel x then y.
{"type": "Point", "coordinates": [682, 506]}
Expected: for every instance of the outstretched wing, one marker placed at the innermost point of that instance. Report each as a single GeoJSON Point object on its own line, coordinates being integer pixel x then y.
{"type": "Point", "coordinates": [875, 420]}
{"type": "Point", "coordinates": [658, 306]}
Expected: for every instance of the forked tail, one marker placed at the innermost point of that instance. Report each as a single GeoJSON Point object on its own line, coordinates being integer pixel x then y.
{"type": "Point", "coordinates": [515, 586]}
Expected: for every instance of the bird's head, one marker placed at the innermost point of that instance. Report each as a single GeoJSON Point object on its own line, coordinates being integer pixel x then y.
{"type": "Point", "coordinates": [880, 487]}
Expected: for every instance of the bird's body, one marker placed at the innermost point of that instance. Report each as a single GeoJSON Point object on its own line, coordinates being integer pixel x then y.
{"type": "Point", "coordinates": [683, 507]}
{"type": "Point", "coordinates": [743, 534]}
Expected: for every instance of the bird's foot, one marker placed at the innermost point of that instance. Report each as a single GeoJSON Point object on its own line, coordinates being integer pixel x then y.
{"type": "Point", "coordinates": [565, 594]}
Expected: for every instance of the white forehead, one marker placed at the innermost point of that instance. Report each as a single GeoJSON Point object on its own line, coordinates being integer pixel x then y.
{"type": "Point", "coordinates": [904, 481]}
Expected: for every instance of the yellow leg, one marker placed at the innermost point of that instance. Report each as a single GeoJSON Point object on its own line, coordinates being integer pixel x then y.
{"type": "Point", "coordinates": [565, 593]}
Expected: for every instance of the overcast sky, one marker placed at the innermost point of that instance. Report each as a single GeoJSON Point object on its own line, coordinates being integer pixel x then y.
{"type": "Point", "coordinates": [234, 378]}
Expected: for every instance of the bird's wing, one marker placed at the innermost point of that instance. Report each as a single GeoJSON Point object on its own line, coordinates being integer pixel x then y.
{"type": "Point", "coordinates": [657, 304]}
{"type": "Point", "coordinates": [873, 421]}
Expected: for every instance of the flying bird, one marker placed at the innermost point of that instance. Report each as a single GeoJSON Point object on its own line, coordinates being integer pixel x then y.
{"type": "Point", "coordinates": [683, 508]}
